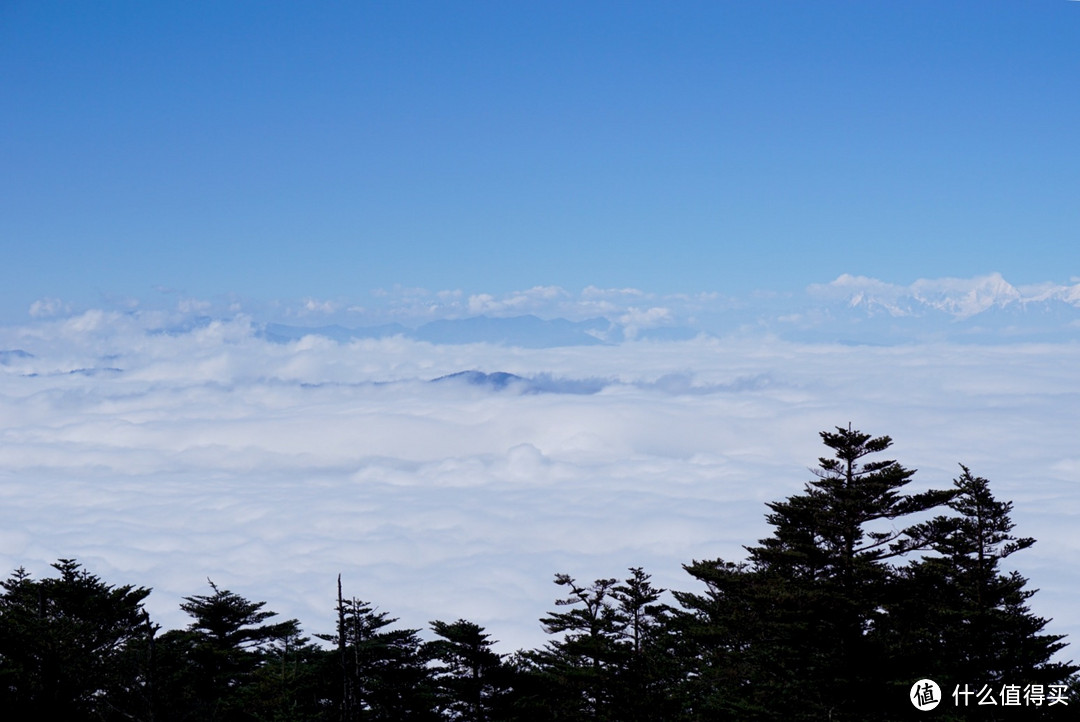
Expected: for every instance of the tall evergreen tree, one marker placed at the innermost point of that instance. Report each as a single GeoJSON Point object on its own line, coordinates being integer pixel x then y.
{"type": "Point", "coordinates": [204, 670]}
{"type": "Point", "coordinates": [578, 662]}
{"type": "Point", "coordinates": [963, 620]}
{"type": "Point", "coordinates": [385, 672]}
{"type": "Point", "coordinates": [470, 674]}
{"type": "Point", "coordinates": [295, 682]}
{"type": "Point", "coordinates": [812, 593]}
{"type": "Point", "coordinates": [66, 644]}
{"type": "Point", "coordinates": [612, 659]}
{"type": "Point", "coordinates": [646, 666]}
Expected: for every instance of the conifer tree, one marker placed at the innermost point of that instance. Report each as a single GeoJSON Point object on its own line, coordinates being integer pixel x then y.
{"type": "Point", "coordinates": [613, 658]}
{"type": "Point", "coordinates": [647, 670]}
{"type": "Point", "coordinates": [204, 669]}
{"type": "Point", "coordinates": [963, 620]}
{"type": "Point", "coordinates": [578, 662]}
{"type": "Point", "coordinates": [470, 677]}
{"type": "Point", "coordinates": [65, 643]}
{"type": "Point", "coordinates": [721, 638]}
{"type": "Point", "coordinates": [385, 673]}
{"type": "Point", "coordinates": [805, 605]}
{"type": "Point", "coordinates": [295, 681]}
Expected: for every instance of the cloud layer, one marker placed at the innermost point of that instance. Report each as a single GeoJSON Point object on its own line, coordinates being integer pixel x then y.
{"type": "Point", "coordinates": [850, 309]}
{"type": "Point", "coordinates": [161, 453]}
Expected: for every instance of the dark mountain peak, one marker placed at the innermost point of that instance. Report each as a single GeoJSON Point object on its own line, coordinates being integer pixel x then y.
{"type": "Point", "coordinates": [498, 380]}
{"type": "Point", "coordinates": [15, 354]}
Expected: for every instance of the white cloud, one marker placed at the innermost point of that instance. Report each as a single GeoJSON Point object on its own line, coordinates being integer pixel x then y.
{"type": "Point", "coordinates": [536, 299]}
{"type": "Point", "coordinates": [595, 292]}
{"type": "Point", "coordinates": [483, 303]}
{"type": "Point", "coordinates": [193, 305]}
{"type": "Point", "coordinates": [45, 307]}
{"type": "Point", "coordinates": [169, 457]}
{"type": "Point", "coordinates": [636, 319]}
{"type": "Point", "coordinates": [314, 305]}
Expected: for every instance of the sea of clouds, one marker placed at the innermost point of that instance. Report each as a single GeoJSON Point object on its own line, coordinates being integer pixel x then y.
{"type": "Point", "coordinates": [163, 450]}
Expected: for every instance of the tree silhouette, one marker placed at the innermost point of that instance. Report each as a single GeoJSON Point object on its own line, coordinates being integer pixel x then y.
{"type": "Point", "coordinates": [65, 645]}
{"type": "Point", "coordinates": [804, 608]}
{"type": "Point", "coordinates": [206, 667]}
{"type": "Point", "coordinates": [470, 677]}
{"type": "Point", "coordinates": [384, 671]}
{"type": "Point", "coordinates": [962, 619]}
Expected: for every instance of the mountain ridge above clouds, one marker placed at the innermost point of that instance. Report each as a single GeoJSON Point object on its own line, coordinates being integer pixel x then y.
{"type": "Point", "coordinates": [851, 309]}
{"type": "Point", "coordinates": [534, 384]}
{"type": "Point", "coordinates": [957, 297]}
{"type": "Point", "coordinates": [982, 309]}
{"type": "Point", "coordinates": [16, 354]}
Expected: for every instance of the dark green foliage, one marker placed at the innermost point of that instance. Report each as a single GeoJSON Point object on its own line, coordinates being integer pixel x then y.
{"type": "Point", "coordinates": [962, 619]}
{"type": "Point", "coordinates": [613, 658]}
{"type": "Point", "coordinates": [647, 665]}
{"type": "Point", "coordinates": [579, 661]}
{"type": "Point", "coordinates": [843, 526]}
{"type": "Point", "coordinates": [68, 646]}
{"type": "Point", "coordinates": [384, 672]}
{"type": "Point", "coordinates": [798, 620]}
{"type": "Point", "coordinates": [471, 678]}
{"type": "Point", "coordinates": [578, 665]}
{"type": "Point", "coordinates": [295, 682]}
{"type": "Point", "coordinates": [205, 671]}
{"type": "Point", "coordinates": [728, 646]}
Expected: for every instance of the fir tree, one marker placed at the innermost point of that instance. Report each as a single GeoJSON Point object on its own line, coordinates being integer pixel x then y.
{"type": "Point", "coordinates": [293, 683]}
{"type": "Point", "coordinates": [204, 669]}
{"type": "Point", "coordinates": [647, 671]}
{"type": "Point", "coordinates": [384, 671]}
{"type": "Point", "coordinates": [729, 657]}
{"type": "Point", "coordinates": [962, 620]}
{"type": "Point", "coordinates": [578, 662]}
{"type": "Point", "coordinates": [470, 677]}
{"type": "Point", "coordinates": [66, 646]}
{"type": "Point", "coordinates": [812, 593]}
{"type": "Point", "coordinates": [613, 658]}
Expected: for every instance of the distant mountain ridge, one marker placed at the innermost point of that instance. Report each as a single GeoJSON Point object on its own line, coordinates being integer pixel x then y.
{"type": "Point", "coordinates": [849, 309]}
{"type": "Point", "coordinates": [539, 384]}
{"type": "Point", "coordinates": [7, 356]}
{"type": "Point", "coordinates": [959, 298]}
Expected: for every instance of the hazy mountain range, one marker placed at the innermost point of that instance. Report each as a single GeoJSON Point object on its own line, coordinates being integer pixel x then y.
{"type": "Point", "coordinates": [851, 309]}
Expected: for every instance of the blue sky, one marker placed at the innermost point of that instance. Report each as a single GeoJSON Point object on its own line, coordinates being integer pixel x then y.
{"type": "Point", "coordinates": [283, 150]}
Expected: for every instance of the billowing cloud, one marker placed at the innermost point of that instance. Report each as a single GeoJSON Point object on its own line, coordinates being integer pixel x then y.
{"type": "Point", "coordinates": [538, 298]}
{"type": "Point", "coordinates": [193, 305]}
{"type": "Point", "coordinates": [317, 306]}
{"type": "Point", "coordinates": [850, 307]}
{"type": "Point", "coordinates": [636, 319]}
{"type": "Point", "coordinates": [45, 307]}
{"type": "Point", "coordinates": [161, 451]}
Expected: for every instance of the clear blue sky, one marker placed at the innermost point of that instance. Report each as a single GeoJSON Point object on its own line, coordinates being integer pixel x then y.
{"type": "Point", "coordinates": [277, 150]}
